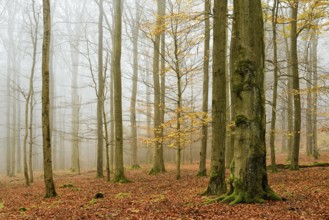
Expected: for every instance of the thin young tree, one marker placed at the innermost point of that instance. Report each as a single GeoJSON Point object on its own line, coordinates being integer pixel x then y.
{"type": "Point", "coordinates": [133, 122]}
{"type": "Point", "coordinates": [205, 90]}
{"type": "Point", "coordinates": [46, 138]}
{"type": "Point", "coordinates": [295, 86]}
{"type": "Point", "coordinates": [275, 83]}
{"type": "Point", "coordinates": [100, 95]}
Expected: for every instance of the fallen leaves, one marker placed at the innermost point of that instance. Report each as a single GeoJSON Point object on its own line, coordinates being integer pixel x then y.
{"type": "Point", "coordinates": [162, 197]}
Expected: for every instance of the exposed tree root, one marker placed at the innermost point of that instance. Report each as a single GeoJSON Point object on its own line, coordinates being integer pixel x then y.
{"type": "Point", "coordinates": [156, 171]}
{"type": "Point", "coordinates": [121, 179]}
{"type": "Point", "coordinates": [244, 197]}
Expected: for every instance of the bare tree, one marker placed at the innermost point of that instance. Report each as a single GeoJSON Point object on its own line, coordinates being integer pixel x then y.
{"type": "Point", "coordinates": [46, 137]}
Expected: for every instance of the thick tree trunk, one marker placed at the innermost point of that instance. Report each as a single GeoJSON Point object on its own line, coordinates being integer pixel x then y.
{"type": "Point", "coordinates": [295, 86]}
{"type": "Point", "coordinates": [205, 91]}
{"type": "Point", "coordinates": [216, 185]}
{"type": "Point", "coordinates": [47, 159]}
{"type": "Point", "coordinates": [248, 180]}
{"type": "Point", "coordinates": [119, 175]}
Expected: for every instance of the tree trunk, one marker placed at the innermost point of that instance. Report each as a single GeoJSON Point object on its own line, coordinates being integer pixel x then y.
{"type": "Point", "coordinates": [163, 80]}
{"type": "Point", "coordinates": [309, 98]}
{"type": "Point", "coordinates": [275, 84]}
{"type": "Point", "coordinates": [75, 107]}
{"type": "Point", "coordinates": [248, 180]}
{"type": "Point", "coordinates": [158, 166]}
{"type": "Point", "coordinates": [119, 175]}
{"type": "Point", "coordinates": [133, 123]}
{"type": "Point", "coordinates": [31, 136]}
{"type": "Point", "coordinates": [47, 159]}
{"type": "Point", "coordinates": [216, 184]}
{"type": "Point", "coordinates": [295, 86]}
{"type": "Point", "coordinates": [100, 95]}
{"type": "Point", "coordinates": [205, 91]}
{"type": "Point", "coordinates": [112, 135]}
{"type": "Point", "coordinates": [314, 61]}
{"type": "Point", "coordinates": [290, 106]}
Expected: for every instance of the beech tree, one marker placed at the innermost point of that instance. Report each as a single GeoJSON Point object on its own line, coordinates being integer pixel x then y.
{"type": "Point", "coordinates": [119, 175]}
{"type": "Point", "coordinates": [216, 185]}
{"type": "Point", "coordinates": [46, 137]}
{"type": "Point", "coordinates": [204, 141]}
{"type": "Point", "coordinates": [100, 95]}
{"type": "Point", "coordinates": [248, 179]}
{"type": "Point", "coordinates": [295, 86]}
{"type": "Point", "coordinates": [158, 164]}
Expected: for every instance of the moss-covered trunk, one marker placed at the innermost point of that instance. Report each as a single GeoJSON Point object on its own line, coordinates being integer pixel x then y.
{"type": "Point", "coordinates": [248, 180]}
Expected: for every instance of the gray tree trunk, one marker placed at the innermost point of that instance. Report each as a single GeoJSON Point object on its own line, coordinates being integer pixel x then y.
{"type": "Point", "coordinates": [205, 90]}
{"type": "Point", "coordinates": [216, 184]}
{"type": "Point", "coordinates": [47, 159]}
{"type": "Point", "coordinates": [119, 175]}
{"type": "Point", "coordinates": [295, 85]}
{"type": "Point", "coordinates": [133, 123]}
{"type": "Point", "coordinates": [100, 95]}
{"type": "Point", "coordinates": [275, 84]}
{"type": "Point", "coordinates": [158, 166]}
{"type": "Point", "coordinates": [314, 61]}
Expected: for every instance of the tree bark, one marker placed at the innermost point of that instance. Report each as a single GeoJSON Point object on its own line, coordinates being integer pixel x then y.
{"type": "Point", "coordinates": [100, 95]}
{"type": "Point", "coordinates": [295, 86]}
{"type": "Point", "coordinates": [158, 166]}
{"type": "Point", "coordinates": [47, 159]}
{"type": "Point", "coordinates": [119, 175]}
{"type": "Point", "coordinates": [248, 180]}
{"type": "Point", "coordinates": [314, 61]}
{"type": "Point", "coordinates": [275, 84]}
{"type": "Point", "coordinates": [205, 90]}
{"type": "Point", "coordinates": [133, 123]}
{"type": "Point", "coordinates": [216, 184]}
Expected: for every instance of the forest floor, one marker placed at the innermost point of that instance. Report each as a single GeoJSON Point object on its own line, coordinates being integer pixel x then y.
{"type": "Point", "coordinates": [163, 197]}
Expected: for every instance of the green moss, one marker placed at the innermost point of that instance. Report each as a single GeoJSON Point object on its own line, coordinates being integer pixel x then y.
{"type": "Point", "coordinates": [122, 195]}
{"type": "Point", "coordinates": [22, 209]}
{"type": "Point", "coordinates": [202, 173]}
{"type": "Point", "coordinates": [241, 121]}
{"type": "Point", "coordinates": [67, 186]}
{"type": "Point", "coordinates": [135, 167]}
{"type": "Point", "coordinates": [2, 205]}
{"type": "Point", "coordinates": [120, 179]}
